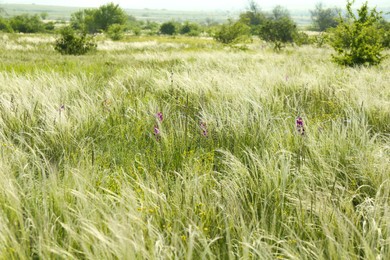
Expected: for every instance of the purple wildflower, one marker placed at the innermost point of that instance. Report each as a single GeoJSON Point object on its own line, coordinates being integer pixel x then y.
{"type": "Point", "coordinates": [203, 127]}
{"type": "Point", "coordinates": [156, 130]}
{"type": "Point", "coordinates": [160, 116]}
{"type": "Point", "coordinates": [300, 125]}
{"type": "Point", "coordinates": [156, 133]}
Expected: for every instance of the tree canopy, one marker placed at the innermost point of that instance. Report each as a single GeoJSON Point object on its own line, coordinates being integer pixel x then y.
{"type": "Point", "coordinates": [96, 20]}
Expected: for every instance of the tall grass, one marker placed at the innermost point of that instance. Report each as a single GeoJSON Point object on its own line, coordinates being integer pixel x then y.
{"type": "Point", "coordinates": [83, 175]}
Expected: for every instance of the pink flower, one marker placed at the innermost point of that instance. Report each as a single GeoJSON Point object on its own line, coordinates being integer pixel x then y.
{"type": "Point", "coordinates": [300, 125]}
{"type": "Point", "coordinates": [160, 116]}
{"type": "Point", "coordinates": [203, 127]}
{"type": "Point", "coordinates": [156, 133]}
{"type": "Point", "coordinates": [156, 130]}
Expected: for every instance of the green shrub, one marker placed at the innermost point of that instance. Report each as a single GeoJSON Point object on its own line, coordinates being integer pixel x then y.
{"type": "Point", "coordinates": [190, 29]}
{"type": "Point", "coordinates": [72, 43]}
{"type": "Point", "coordinates": [385, 26]}
{"type": "Point", "coordinates": [168, 28]}
{"type": "Point", "coordinates": [27, 23]}
{"type": "Point", "coordinates": [358, 39]}
{"type": "Point", "coordinates": [116, 32]}
{"type": "Point", "coordinates": [5, 26]}
{"type": "Point", "coordinates": [233, 32]}
{"type": "Point", "coordinates": [301, 38]}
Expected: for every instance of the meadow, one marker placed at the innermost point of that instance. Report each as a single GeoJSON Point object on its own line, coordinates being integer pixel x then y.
{"type": "Point", "coordinates": [182, 148]}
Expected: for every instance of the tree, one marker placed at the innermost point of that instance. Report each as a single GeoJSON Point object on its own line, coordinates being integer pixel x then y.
{"type": "Point", "coordinates": [95, 20]}
{"type": "Point", "coordinates": [27, 23]}
{"type": "Point", "coordinates": [72, 43]}
{"type": "Point", "coordinates": [233, 32]}
{"type": "Point", "coordinates": [253, 17]}
{"type": "Point", "coordinates": [279, 28]}
{"type": "Point", "coordinates": [168, 28]}
{"type": "Point", "coordinates": [84, 21]}
{"type": "Point", "coordinates": [358, 39]}
{"type": "Point", "coordinates": [109, 14]}
{"type": "Point", "coordinates": [324, 18]}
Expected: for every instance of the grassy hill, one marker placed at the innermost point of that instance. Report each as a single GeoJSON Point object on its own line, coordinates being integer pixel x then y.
{"type": "Point", "coordinates": [181, 148]}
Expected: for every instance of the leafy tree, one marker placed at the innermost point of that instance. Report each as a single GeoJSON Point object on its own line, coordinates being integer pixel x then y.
{"type": "Point", "coordinates": [27, 23]}
{"type": "Point", "coordinates": [109, 14]}
{"type": "Point", "coordinates": [233, 32]}
{"type": "Point", "coordinates": [72, 43]}
{"type": "Point", "coordinates": [324, 18]}
{"type": "Point", "coordinates": [279, 28]}
{"type": "Point", "coordinates": [95, 20]}
{"type": "Point", "coordinates": [358, 38]}
{"type": "Point", "coordinates": [168, 28]}
{"type": "Point", "coordinates": [253, 17]}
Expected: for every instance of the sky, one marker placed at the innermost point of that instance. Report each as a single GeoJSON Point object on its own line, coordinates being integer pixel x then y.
{"type": "Point", "coordinates": [197, 4]}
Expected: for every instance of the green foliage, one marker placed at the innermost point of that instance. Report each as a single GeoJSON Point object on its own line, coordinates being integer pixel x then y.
{"type": "Point", "coordinates": [109, 14]}
{"type": "Point", "coordinates": [5, 25]}
{"type": "Point", "coordinates": [385, 27]}
{"type": "Point", "coordinates": [253, 17]}
{"type": "Point", "coordinates": [324, 18]}
{"type": "Point", "coordinates": [190, 29]}
{"type": "Point", "coordinates": [233, 32]}
{"type": "Point", "coordinates": [71, 43]}
{"type": "Point", "coordinates": [320, 40]}
{"type": "Point", "coordinates": [301, 38]}
{"type": "Point", "coordinates": [279, 28]}
{"type": "Point", "coordinates": [27, 23]}
{"type": "Point", "coordinates": [168, 28]}
{"type": "Point", "coordinates": [116, 32]}
{"type": "Point", "coordinates": [358, 39]}
{"type": "Point", "coordinates": [96, 20]}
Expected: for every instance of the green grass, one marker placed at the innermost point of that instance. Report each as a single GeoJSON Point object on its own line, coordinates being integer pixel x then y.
{"type": "Point", "coordinates": [92, 181]}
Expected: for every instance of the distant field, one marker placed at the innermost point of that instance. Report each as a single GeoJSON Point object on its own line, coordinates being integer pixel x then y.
{"type": "Point", "coordinates": [64, 13]}
{"type": "Point", "coordinates": [301, 16]}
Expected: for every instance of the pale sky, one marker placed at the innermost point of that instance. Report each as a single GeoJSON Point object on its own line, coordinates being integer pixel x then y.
{"type": "Point", "coordinates": [197, 4]}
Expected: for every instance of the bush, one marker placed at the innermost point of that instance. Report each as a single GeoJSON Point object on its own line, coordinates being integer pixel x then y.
{"type": "Point", "coordinates": [5, 26]}
{"type": "Point", "coordinates": [116, 32]}
{"type": "Point", "coordinates": [27, 23]}
{"type": "Point", "coordinates": [233, 32]}
{"type": "Point", "coordinates": [358, 39]}
{"type": "Point", "coordinates": [73, 44]}
{"type": "Point", "coordinates": [385, 26]}
{"type": "Point", "coordinates": [301, 38]}
{"type": "Point", "coordinates": [168, 28]}
{"type": "Point", "coordinates": [190, 29]}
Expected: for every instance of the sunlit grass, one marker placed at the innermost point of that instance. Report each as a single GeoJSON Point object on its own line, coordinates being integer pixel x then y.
{"type": "Point", "coordinates": [83, 174]}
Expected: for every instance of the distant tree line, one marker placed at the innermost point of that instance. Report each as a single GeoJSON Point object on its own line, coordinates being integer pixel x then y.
{"type": "Point", "coordinates": [357, 35]}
